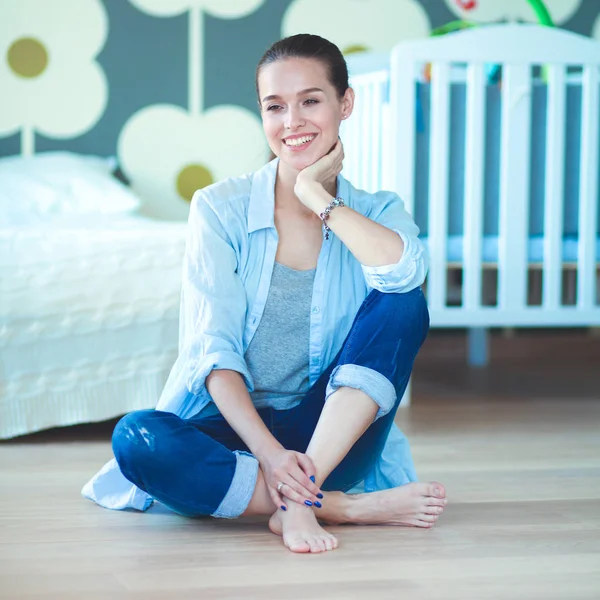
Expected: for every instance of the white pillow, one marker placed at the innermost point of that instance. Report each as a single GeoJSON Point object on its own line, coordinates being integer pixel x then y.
{"type": "Point", "coordinates": [53, 184]}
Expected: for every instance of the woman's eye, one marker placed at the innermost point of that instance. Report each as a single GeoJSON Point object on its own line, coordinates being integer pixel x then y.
{"type": "Point", "coordinates": [310, 101]}
{"type": "Point", "coordinates": [273, 107]}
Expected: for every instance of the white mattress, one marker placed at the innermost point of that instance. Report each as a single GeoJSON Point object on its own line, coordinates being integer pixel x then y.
{"type": "Point", "coordinates": [89, 313]}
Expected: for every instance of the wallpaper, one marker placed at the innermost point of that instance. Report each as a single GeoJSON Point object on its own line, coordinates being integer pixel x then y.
{"type": "Point", "coordinates": [168, 86]}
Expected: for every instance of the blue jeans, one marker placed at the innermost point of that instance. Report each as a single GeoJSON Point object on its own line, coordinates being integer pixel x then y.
{"type": "Point", "coordinates": [200, 466]}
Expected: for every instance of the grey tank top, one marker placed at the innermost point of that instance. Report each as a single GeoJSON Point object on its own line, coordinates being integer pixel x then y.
{"type": "Point", "coordinates": [278, 355]}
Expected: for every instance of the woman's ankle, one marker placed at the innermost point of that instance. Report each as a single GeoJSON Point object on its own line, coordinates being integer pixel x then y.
{"type": "Point", "coordinates": [335, 509]}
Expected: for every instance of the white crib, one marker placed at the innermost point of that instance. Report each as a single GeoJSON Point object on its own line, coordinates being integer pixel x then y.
{"type": "Point", "coordinates": [381, 142]}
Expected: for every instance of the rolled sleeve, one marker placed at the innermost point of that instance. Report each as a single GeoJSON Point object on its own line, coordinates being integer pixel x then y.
{"type": "Point", "coordinates": [378, 387]}
{"type": "Point", "coordinates": [224, 359]}
{"type": "Point", "coordinates": [405, 275]}
{"type": "Point", "coordinates": [387, 209]}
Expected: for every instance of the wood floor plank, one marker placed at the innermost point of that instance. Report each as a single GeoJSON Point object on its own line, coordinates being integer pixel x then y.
{"type": "Point", "coordinates": [517, 446]}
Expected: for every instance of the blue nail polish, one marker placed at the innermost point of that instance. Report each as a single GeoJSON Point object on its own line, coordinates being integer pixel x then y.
{"type": "Point", "coordinates": [320, 496]}
{"type": "Point", "coordinates": [283, 507]}
{"type": "Point", "coordinates": [318, 504]}
{"type": "Point", "coordinates": [312, 478]}
{"type": "Point", "coordinates": [308, 503]}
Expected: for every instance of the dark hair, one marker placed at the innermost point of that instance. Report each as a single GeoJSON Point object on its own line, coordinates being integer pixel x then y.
{"type": "Point", "coordinates": [305, 45]}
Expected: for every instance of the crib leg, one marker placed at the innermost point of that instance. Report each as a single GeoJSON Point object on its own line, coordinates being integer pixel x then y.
{"type": "Point", "coordinates": [407, 394]}
{"type": "Point", "coordinates": [477, 347]}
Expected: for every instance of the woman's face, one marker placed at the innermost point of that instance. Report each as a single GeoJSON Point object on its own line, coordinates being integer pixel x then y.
{"type": "Point", "coordinates": [300, 109]}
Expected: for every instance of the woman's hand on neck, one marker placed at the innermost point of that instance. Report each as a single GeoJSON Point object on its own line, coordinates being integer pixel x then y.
{"type": "Point", "coordinates": [318, 180]}
{"type": "Point", "coordinates": [286, 192]}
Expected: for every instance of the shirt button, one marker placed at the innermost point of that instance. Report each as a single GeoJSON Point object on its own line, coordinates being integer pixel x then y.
{"type": "Point", "coordinates": [316, 310]}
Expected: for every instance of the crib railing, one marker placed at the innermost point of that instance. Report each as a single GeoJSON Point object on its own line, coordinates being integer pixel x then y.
{"type": "Point", "coordinates": [382, 147]}
{"type": "Point", "coordinates": [367, 134]}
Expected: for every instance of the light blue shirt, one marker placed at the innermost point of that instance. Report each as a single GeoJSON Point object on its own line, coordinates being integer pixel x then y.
{"type": "Point", "coordinates": [229, 259]}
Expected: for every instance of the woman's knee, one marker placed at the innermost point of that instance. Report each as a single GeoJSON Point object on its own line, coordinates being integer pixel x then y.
{"type": "Point", "coordinates": [405, 313]}
{"type": "Point", "coordinates": [134, 436]}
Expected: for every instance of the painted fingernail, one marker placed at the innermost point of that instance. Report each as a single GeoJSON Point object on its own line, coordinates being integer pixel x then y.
{"type": "Point", "coordinates": [312, 478]}
{"type": "Point", "coordinates": [283, 507]}
{"type": "Point", "coordinates": [318, 504]}
{"type": "Point", "coordinates": [320, 496]}
{"type": "Point", "coordinates": [308, 503]}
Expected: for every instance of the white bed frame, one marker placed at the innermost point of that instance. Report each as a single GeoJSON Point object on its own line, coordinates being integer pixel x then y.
{"type": "Point", "coordinates": [380, 140]}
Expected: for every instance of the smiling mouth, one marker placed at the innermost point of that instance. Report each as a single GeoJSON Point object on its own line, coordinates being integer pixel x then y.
{"type": "Point", "coordinates": [300, 141]}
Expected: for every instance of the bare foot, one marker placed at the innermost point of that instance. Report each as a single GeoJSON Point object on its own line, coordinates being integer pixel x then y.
{"type": "Point", "coordinates": [300, 530]}
{"type": "Point", "coordinates": [413, 504]}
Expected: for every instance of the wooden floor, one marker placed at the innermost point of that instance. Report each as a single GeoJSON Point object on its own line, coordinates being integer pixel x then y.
{"type": "Point", "coordinates": [516, 444]}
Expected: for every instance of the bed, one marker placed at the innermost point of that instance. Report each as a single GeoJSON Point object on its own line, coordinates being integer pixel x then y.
{"type": "Point", "coordinates": [89, 305]}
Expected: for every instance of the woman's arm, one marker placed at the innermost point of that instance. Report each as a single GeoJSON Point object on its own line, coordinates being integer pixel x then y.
{"type": "Point", "coordinates": [372, 244]}
{"type": "Point", "coordinates": [228, 391]}
{"type": "Point", "coordinates": [386, 243]}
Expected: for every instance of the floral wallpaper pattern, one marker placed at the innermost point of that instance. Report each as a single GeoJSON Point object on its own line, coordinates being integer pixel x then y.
{"type": "Point", "coordinates": [41, 72]}
{"type": "Point", "coordinates": [167, 86]}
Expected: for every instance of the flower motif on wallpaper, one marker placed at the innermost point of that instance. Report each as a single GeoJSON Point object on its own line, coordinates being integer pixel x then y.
{"type": "Point", "coordinates": [169, 153]}
{"type": "Point", "coordinates": [511, 10]}
{"type": "Point", "coordinates": [46, 87]}
{"type": "Point", "coordinates": [369, 25]}
{"type": "Point", "coordinates": [225, 9]}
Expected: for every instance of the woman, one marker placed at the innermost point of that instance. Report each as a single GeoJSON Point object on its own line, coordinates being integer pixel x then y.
{"type": "Point", "coordinates": [301, 317]}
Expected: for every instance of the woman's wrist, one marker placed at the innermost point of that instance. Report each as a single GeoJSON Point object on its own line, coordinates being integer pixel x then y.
{"type": "Point", "coordinates": [313, 195]}
{"type": "Point", "coordinates": [265, 449]}
{"type": "Point", "coordinates": [231, 396]}
{"type": "Point", "coordinates": [305, 186]}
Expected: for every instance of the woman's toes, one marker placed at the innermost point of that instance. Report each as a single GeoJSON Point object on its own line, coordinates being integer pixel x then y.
{"type": "Point", "coordinates": [297, 544]}
{"type": "Point", "coordinates": [328, 543]}
{"type": "Point", "coordinates": [437, 490]}
{"type": "Point", "coordinates": [418, 523]}
{"type": "Point", "coordinates": [434, 510]}
{"type": "Point", "coordinates": [437, 501]}
{"type": "Point", "coordinates": [428, 518]}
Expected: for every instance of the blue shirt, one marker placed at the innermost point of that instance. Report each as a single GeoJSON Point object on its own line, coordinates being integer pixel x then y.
{"type": "Point", "coordinates": [230, 254]}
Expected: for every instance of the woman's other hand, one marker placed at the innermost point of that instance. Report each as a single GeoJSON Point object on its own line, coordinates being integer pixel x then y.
{"type": "Point", "coordinates": [294, 470]}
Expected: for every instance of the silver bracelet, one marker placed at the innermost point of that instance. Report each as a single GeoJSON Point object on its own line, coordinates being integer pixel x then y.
{"type": "Point", "coordinates": [325, 214]}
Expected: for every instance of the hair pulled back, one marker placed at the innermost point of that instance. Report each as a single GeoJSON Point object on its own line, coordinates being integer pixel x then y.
{"type": "Point", "coordinates": [306, 45]}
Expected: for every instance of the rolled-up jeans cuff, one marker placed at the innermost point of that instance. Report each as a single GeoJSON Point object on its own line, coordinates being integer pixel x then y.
{"type": "Point", "coordinates": [371, 382]}
{"type": "Point", "coordinates": [242, 487]}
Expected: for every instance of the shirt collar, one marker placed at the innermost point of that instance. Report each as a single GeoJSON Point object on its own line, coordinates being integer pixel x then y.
{"type": "Point", "coordinates": [261, 207]}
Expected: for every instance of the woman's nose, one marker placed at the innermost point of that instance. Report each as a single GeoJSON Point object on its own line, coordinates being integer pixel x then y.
{"type": "Point", "coordinates": [293, 120]}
